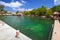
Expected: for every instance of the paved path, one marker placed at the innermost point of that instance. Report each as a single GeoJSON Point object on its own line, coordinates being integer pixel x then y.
{"type": "Point", "coordinates": [56, 31]}
{"type": "Point", "coordinates": [8, 33]}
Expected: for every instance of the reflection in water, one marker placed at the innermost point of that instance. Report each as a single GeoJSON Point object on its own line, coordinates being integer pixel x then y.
{"type": "Point", "coordinates": [34, 27]}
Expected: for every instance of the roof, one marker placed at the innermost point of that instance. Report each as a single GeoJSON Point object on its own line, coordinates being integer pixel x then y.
{"type": "Point", "coordinates": [56, 13]}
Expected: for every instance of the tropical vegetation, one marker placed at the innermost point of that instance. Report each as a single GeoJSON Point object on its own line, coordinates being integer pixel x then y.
{"type": "Point", "coordinates": [43, 11]}
{"type": "Point", "coordinates": [2, 11]}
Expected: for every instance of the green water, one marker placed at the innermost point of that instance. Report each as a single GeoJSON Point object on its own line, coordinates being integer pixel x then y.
{"type": "Point", "coordinates": [34, 27]}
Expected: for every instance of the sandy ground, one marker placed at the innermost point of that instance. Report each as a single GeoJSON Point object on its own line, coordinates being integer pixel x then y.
{"type": "Point", "coordinates": [8, 33]}
{"type": "Point", "coordinates": [56, 31]}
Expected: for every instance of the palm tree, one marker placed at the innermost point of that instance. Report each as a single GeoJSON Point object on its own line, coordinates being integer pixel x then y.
{"type": "Point", "coordinates": [1, 8]}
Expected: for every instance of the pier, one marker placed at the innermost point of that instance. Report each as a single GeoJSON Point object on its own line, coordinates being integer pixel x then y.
{"type": "Point", "coordinates": [56, 30]}
{"type": "Point", "coordinates": [8, 33]}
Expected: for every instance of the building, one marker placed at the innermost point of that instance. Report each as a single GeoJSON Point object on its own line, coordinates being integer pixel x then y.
{"type": "Point", "coordinates": [20, 13]}
{"type": "Point", "coordinates": [56, 15]}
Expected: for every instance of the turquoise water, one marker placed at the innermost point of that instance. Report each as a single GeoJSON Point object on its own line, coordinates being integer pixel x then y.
{"type": "Point", "coordinates": [34, 27]}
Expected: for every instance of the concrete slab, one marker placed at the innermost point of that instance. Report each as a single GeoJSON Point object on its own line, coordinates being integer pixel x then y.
{"type": "Point", "coordinates": [8, 33]}
{"type": "Point", "coordinates": [56, 31]}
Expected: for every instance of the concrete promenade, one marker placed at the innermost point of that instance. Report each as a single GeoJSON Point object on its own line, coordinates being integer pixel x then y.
{"type": "Point", "coordinates": [56, 31]}
{"type": "Point", "coordinates": [8, 33]}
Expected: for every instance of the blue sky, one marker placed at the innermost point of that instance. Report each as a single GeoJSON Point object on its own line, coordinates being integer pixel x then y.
{"type": "Point", "coordinates": [22, 5]}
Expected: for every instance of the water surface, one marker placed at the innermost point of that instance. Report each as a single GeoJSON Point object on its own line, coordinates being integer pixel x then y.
{"type": "Point", "coordinates": [34, 27]}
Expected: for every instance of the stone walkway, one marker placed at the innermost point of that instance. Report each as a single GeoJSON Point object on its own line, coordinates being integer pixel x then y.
{"type": "Point", "coordinates": [8, 33]}
{"type": "Point", "coordinates": [56, 31]}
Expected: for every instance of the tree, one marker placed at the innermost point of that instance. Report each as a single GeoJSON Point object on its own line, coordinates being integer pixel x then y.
{"type": "Point", "coordinates": [2, 11]}
{"type": "Point", "coordinates": [48, 12]}
{"type": "Point", "coordinates": [26, 12]}
{"type": "Point", "coordinates": [5, 12]}
{"type": "Point", "coordinates": [42, 10]}
{"type": "Point", "coordinates": [56, 8]}
{"type": "Point", "coordinates": [37, 13]}
{"type": "Point", "coordinates": [1, 8]}
{"type": "Point", "coordinates": [32, 12]}
{"type": "Point", "coordinates": [17, 12]}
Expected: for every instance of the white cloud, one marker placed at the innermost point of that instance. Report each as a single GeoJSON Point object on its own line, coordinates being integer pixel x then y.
{"type": "Point", "coordinates": [11, 4]}
{"type": "Point", "coordinates": [23, 1]}
{"type": "Point", "coordinates": [29, 9]}
{"type": "Point", "coordinates": [19, 9]}
{"type": "Point", "coordinates": [22, 9]}
{"type": "Point", "coordinates": [57, 2]}
{"type": "Point", "coordinates": [16, 6]}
